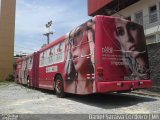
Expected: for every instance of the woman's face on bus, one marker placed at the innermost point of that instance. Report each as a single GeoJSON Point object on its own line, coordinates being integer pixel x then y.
{"type": "Point", "coordinates": [131, 37]}
{"type": "Point", "coordinates": [80, 48]}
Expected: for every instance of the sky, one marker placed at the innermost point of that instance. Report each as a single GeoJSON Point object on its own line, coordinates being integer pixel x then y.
{"type": "Point", "coordinates": [33, 15]}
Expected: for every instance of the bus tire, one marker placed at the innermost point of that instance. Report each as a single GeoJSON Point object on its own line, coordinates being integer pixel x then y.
{"type": "Point", "coordinates": [59, 87]}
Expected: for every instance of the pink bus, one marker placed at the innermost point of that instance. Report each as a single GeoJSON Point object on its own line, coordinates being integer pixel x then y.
{"type": "Point", "coordinates": [24, 69]}
{"type": "Point", "coordinates": [105, 54]}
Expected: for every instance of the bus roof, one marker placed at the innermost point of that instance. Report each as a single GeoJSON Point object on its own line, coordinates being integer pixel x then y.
{"type": "Point", "coordinates": [24, 57]}
{"type": "Point", "coordinates": [62, 38]}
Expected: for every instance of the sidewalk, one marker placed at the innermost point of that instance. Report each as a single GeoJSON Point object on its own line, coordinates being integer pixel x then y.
{"type": "Point", "coordinates": [150, 92]}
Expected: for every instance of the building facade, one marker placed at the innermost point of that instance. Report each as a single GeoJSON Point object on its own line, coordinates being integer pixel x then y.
{"type": "Point", "coordinates": [7, 26]}
{"type": "Point", "coordinates": [145, 12]}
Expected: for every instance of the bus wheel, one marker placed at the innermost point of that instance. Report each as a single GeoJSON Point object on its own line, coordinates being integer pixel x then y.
{"type": "Point", "coordinates": [28, 82]}
{"type": "Point", "coordinates": [59, 87]}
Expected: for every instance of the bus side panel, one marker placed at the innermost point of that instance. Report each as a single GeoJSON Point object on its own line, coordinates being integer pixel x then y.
{"type": "Point", "coordinates": [36, 83]}
{"type": "Point", "coordinates": [33, 78]}
{"type": "Point", "coordinates": [18, 70]}
{"type": "Point", "coordinates": [51, 64]}
{"type": "Point", "coordinates": [34, 71]}
{"type": "Point", "coordinates": [79, 61]}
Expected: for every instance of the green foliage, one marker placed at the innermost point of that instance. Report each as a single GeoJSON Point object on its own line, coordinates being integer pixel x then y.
{"type": "Point", "coordinates": [10, 78]}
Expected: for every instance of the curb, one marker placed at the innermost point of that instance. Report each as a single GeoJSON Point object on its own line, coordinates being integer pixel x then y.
{"type": "Point", "coordinates": [145, 92]}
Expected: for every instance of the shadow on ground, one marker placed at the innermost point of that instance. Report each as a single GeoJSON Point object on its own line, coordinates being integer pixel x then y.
{"type": "Point", "coordinates": [107, 101]}
{"type": "Point", "coordinates": [111, 100]}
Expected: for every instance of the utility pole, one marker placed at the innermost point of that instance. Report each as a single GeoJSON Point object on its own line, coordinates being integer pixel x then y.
{"type": "Point", "coordinates": [48, 25]}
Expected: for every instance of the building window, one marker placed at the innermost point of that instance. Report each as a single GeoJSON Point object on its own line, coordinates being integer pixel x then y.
{"type": "Point", "coordinates": [153, 14]}
{"type": "Point", "coordinates": [139, 18]}
{"type": "Point", "coordinates": [151, 39]}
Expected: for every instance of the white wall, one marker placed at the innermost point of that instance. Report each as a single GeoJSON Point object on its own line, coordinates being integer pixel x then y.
{"type": "Point", "coordinates": [142, 5]}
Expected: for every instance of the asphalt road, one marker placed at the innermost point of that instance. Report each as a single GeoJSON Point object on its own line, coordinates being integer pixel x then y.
{"type": "Point", "coordinates": [17, 99]}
